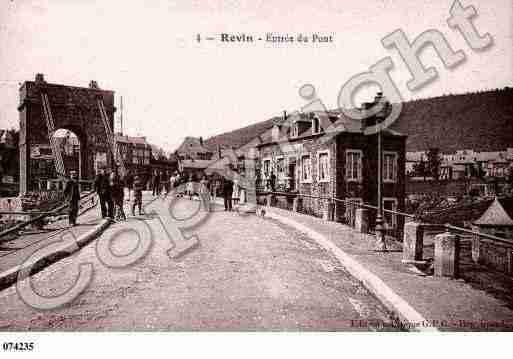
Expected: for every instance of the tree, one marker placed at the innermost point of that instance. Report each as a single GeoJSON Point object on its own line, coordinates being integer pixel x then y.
{"type": "Point", "coordinates": [433, 162]}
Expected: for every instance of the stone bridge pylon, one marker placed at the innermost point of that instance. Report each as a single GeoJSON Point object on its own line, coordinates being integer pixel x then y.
{"type": "Point", "coordinates": [72, 108]}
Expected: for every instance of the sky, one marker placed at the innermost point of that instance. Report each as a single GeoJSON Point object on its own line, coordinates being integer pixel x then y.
{"type": "Point", "coordinates": [173, 86]}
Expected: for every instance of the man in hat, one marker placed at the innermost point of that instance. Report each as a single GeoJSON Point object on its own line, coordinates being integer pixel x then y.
{"type": "Point", "coordinates": [72, 193]}
{"type": "Point", "coordinates": [227, 186]}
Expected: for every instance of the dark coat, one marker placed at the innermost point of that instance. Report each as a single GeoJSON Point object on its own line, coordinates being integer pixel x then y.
{"type": "Point", "coordinates": [117, 189]}
{"type": "Point", "coordinates": [102, 185]}
{"type": "Point", "coordinates": [227, 186]}
{"type": "Point", "coordinates": [71, 191]}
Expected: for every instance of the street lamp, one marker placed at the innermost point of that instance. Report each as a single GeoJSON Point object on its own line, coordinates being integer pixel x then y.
{"type": "Point", "coordinates": [380, 100]}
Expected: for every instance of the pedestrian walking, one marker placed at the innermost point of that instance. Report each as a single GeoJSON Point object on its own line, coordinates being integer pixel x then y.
{"type": "Point", "coordinates": [214, 187]}
{"type": "Point", "coordinates": [235, 193]}
{"type": "Point", "coordinates": [172, 181]}
{"type": "Point", "coordinates": [138, 188]}
{"type": "Point", "coordinates": [242, 195]}
{"type": "Point", "coordinates": [205, 192]}
{"type": "Point", "coordinates": [227, 193]}
{"type": "Point", "coordinates": [272, 181]}
{"type": "Point", "coordinates": [164, 182]}
{"type": "Point", "coordinates": [156, 183]}
{"type": "Point", "coordinates": [189, 187]}
{"type": "Point", "coordinates": [102, 188]}
{"type": "Point", "coordinates": [72, 195]}
{"type": "Point", "coordinates": [118, 194]}
{"type": "Point", "coordinates": [129, 182]}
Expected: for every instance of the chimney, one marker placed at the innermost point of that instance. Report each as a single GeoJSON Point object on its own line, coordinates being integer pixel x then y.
{"type": "Point", "coordinates": [201, 140]}
{"type": "Point", "coordinates": [284, 114]}
{"type": "Point", "coordinates": [365, 114]}
{"type": "Point", "coordinates": [40, 79]}
{"type": "Point", "coordinates": [94, 85]}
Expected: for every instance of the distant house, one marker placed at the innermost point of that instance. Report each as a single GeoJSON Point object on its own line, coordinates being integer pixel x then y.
{"type": "Point", "coordinates": [193, 148]}
{"type": "Point", "coordinates": [143, 158]}
{"type": "Point", "coordinates": [135, 152]}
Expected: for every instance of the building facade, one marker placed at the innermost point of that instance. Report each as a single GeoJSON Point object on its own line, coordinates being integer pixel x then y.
{"type": "Point", "coordinates": [193, 148]}
{"type": "Point", "coordinates": [343, 165]}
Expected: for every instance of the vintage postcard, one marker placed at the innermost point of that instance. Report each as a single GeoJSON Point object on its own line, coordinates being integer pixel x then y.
{"type": "Point", "coordinates": [230, 167]}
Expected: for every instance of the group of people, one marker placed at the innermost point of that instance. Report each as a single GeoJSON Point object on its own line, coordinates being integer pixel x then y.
{"type": "Point", "coordinates": [110, 188]}
{"type": "Point", "coordinates": [231, 190]}
{"type": "Point", "coordinates": [111, 193]}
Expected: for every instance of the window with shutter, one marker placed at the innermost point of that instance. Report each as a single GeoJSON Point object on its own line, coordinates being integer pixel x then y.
{"type": "Point", "coordinates": [389, 166]}
{"type": "Point", "coordinates": [353, 165]}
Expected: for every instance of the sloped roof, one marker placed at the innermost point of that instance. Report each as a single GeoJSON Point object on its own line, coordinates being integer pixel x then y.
{"type": "Point", "coordinates": [137, 140]}
{"type": "Point", "coordinates": [500, 213]}
{"type": "Point", "coordinates": [192, 144]}
{"type": "Point", "coordinates": [241, 136]}
{"type": "Point", "coordinates": [200, 164]}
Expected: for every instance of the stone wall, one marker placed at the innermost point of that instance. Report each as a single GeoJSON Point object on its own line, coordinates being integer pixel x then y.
{"type": "Point", "coordinates": [497, 256]}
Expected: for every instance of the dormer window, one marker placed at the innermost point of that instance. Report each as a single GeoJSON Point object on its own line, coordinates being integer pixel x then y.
{"type": "Point", "coordinates": [295, 129]}
{"type": "Point", "coordinates": [315, 125]}
{"type": "Point", "coordinates": [275, 134]}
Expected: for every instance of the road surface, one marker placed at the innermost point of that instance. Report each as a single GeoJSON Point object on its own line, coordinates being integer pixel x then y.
{"type": "Point", "coordinates": [248, 273]}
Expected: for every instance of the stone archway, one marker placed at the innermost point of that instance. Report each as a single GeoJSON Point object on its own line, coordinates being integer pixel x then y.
{"type": "Point", "coordinates": [68, 148]}
{"type": "Point", "coordinates": [73, 108]}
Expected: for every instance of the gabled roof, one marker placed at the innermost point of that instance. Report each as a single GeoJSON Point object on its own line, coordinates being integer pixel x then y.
{"type": "Point", "coordinates": [192, 144]}
{"type": "Point", "coordinates": [500, 213]}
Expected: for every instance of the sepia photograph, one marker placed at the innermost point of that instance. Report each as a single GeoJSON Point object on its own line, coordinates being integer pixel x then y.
{"type": "Point", "coordinates": [228, 172]}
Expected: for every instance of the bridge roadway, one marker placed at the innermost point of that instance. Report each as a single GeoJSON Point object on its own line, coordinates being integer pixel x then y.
{"type": "Point", "coordinates": [248, 273]}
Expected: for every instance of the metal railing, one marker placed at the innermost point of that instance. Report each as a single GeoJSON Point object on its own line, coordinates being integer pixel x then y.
{"type": "Point", "coordinates": [35, 216]}
{"type": "Point", "coordinates": [344, 211]}
{"type": "Point", "coordinates": [341, 210]}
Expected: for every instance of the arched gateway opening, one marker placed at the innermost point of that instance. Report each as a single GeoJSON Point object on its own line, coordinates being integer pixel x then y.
{"type": "Point", "coordinates": [54, 111]}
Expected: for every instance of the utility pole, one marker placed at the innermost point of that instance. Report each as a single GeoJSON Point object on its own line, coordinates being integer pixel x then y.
{"type": "Point", "coordinates": [380, 230]}
{"type": "Point", "coordinates": [121, 117]}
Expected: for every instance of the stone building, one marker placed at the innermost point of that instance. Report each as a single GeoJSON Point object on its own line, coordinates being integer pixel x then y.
{"type": "Point", "coordinates": [193, 148]}
{"type": "Point", "coordinates": [342, 164]}
{"type": "Point", "coordinates": [135, 151]}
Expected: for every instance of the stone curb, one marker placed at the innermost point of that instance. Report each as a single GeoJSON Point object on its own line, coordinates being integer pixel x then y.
{"type": "Point", "coordinates": [10, 276]}
{"type": "Point", "coordinates": [391, 300]}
